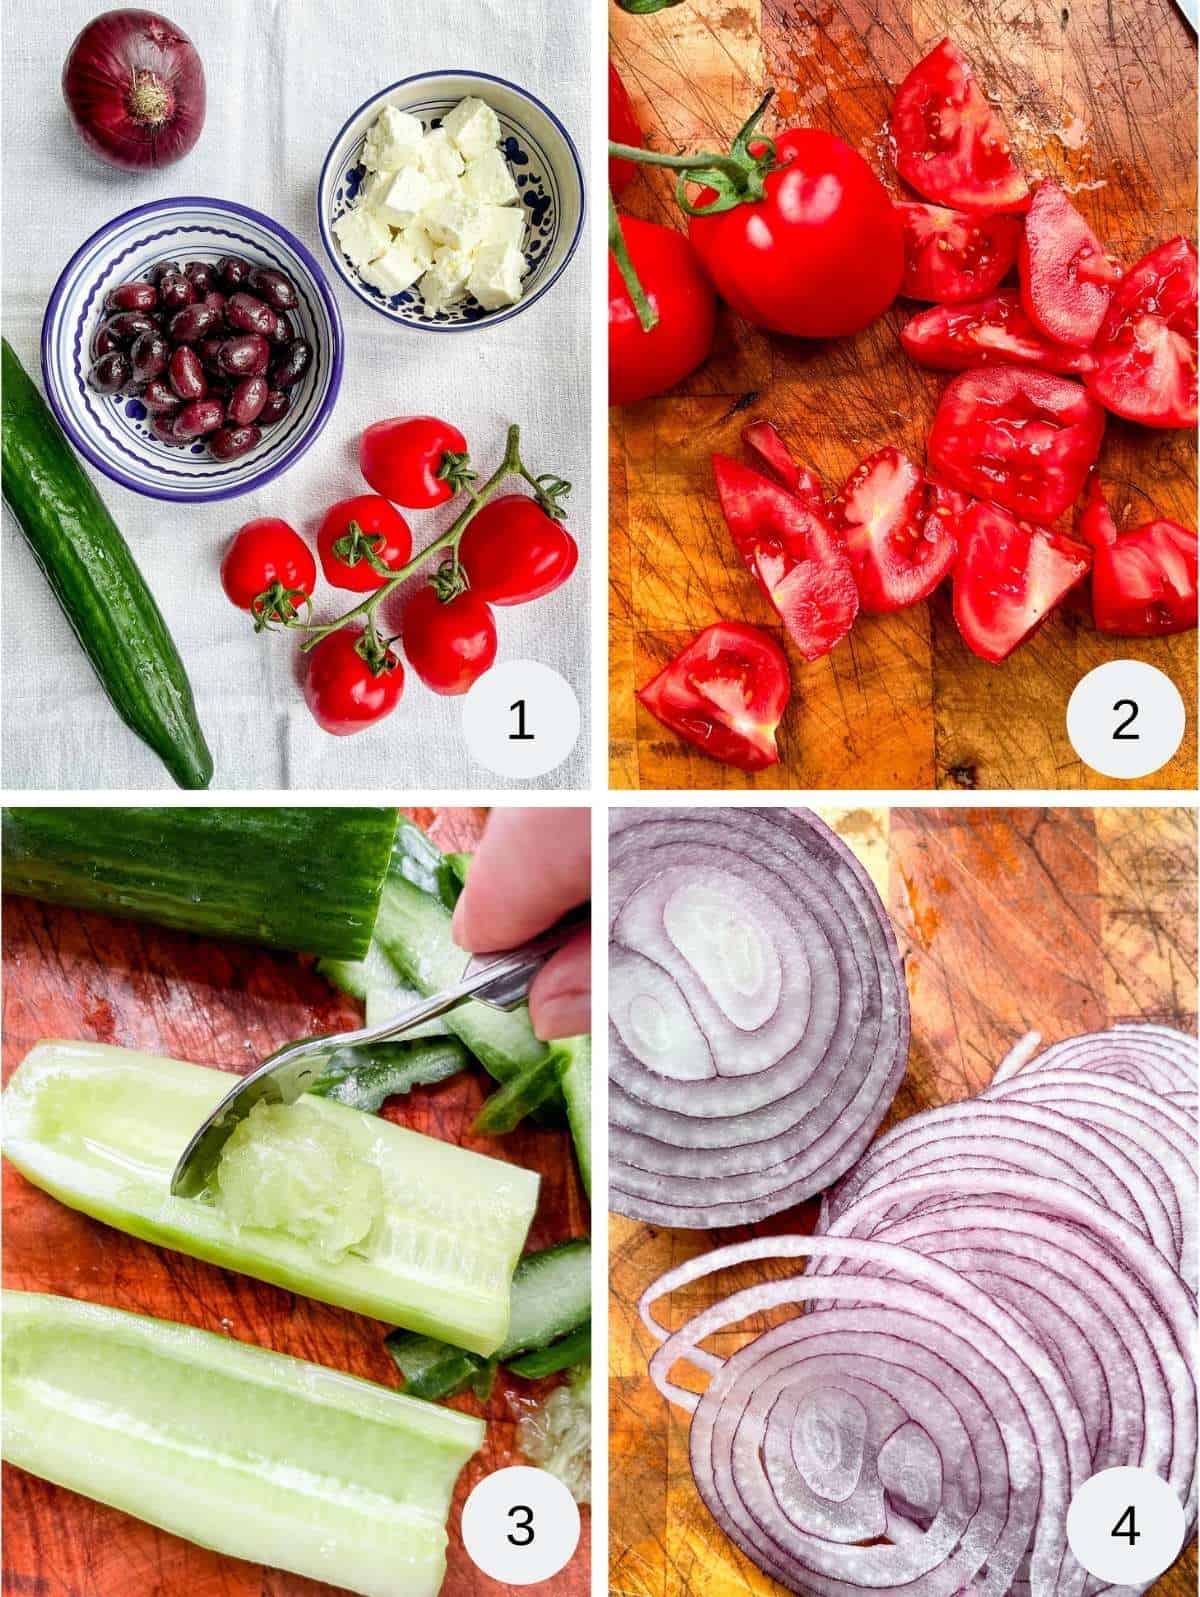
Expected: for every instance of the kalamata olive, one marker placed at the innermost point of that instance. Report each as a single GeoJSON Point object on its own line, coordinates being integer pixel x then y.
{"type": "Point", "coordinates": [158, 398]}
{"type": "Point", "coordinates": [275, 407]}
{"type": "Point", "coordinates": [163, 426]}
{"type": "Point", "coordinates": [104, 341]}
{"type": "Point", "coordinates": [290, 366]}
{"type": "Point", "coordinates": [250, 315]}
{"type": "Point", "coordinates": [148, 355]}
{"type": "Point", "coordinates": [274, 287]}
{"type": "Point", "coordinates": [199, 417]}
{"type": "Point", "coordinates": [216, 301]}
{"type": "Point", "coordinates": [186, 375]}
{"type": "Point", "coordinates": [192, 323]}
{"type": "Point", "coordinates": [246, 356]}
{"type": "Point", "coordinates": [209, 351]}
{"type": "Point", "coordinates": [233, 270]}
{"type": "Point", "coordinates": [220, 387]}
{"type": "Point", "coordinates": [247, 400]}
{"type": "Point", "coordinates": [283, 332]}
{"type": "Point", "coordinates": [230, 442]}
{"type": "Point", "coordinates": [132, 297]}
{"type": "Point", "coordinates": [161, 270]}
{"type": "Point", "coordinates": [111, 372]}
{"type": "Point", "coordinates": [126, 325]}
{"type": "Point", "coordinates": [202, 275]}
{"type": "Point", "coordinates": [175, 291]}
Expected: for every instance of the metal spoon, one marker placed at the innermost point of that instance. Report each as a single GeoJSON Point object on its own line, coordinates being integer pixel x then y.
{"type": "Point", "coordinates": [500, 980]}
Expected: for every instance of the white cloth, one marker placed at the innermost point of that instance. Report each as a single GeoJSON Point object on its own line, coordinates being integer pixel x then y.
{"type": "Point", "coordinates": [282, 76]}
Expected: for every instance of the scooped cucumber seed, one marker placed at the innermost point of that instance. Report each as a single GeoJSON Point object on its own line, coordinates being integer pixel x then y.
{"type": "Point", "coordinates": [287, 1169]}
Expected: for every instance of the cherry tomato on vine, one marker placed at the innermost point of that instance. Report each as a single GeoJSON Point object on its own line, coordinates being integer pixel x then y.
{"type": "Point", "coordinates": [415, 461]}
{"type": "Point", "coordinates": [622, 129]}
{"type": "Point", "coordinates": [641, 363]}
{"type": "Point", "coordinates": [268, 557]}
{"type": "Point", "coordinates": [512, 551]}
{"type": "Point", "coordinates": [450, 643]}
{"type": "Point", "coordinates": [343, 691]}
{"type": "Point", "coordinates": [351, 527]}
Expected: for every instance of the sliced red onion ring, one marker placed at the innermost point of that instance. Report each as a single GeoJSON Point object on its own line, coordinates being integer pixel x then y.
{"type": "Point", "coordinates": [759, 1017]}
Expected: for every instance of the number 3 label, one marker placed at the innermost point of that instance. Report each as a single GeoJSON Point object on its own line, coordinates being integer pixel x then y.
{"type": "Point", "coordinates": [1125, 719]}
{"type": "Point", "coordinates": [520, 1525]}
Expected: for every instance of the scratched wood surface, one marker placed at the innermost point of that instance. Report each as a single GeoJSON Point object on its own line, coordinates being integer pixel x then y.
{"type": "Point", "coordinates": [1101, 96]}
{"type": "Point", "coordinates": [1057, 921]}
{"type": "Point", "coordinates": [74, 975]}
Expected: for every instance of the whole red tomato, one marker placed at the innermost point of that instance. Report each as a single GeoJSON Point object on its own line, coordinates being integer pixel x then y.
{"type": "Point", "coordinates": [642, 363]}
{"type": "Point", "coordinates": [821, 254]}
{"type": "Point", "coordinates": [344, 691]}
{"type": "Point", "coordinates": [513, 551]}
{"type": "Point", "coordinates": [622, 129]}
{"type": "Point", "coordinates": [415, 461]}
{"type": "Point", "coordinates": [450, 643]}
{"type": "Point", "coordinates": [268, 564]}
{"type": "Point", "coordinates": [353, 526]}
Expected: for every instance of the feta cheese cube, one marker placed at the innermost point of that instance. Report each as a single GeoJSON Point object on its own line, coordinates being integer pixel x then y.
{"type": "Point", "coordinates": [488, 179]}
{"type": "Point", "coordinates": [452, 220]}
{"type": "Point", "coordinates": [445, 283]}
{"type": "Point", "coordinates": [502, 224]}
{"type": "Point", "coordinates": [362, 236]}
{"type": "Point", "coordinates": [402, 197]}
{"type": "Point", "coordinates": [473, 126]}
{"type": "Point", "coordinates": [415, 238]}
{"type": "Point", "coordinates": [438, 157]}
{"type": "Point", "coordinates": [496, 276]}
{"type": "Point", "coordinates": [393, 272]}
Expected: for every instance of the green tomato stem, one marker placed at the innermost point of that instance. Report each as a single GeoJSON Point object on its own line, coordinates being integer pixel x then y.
{"type": "Point", "coordinates": [646, 313]}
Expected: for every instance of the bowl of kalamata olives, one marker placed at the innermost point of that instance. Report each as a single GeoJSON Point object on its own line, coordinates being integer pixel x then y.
{"type": "Point", "coordinates": [192, 349]}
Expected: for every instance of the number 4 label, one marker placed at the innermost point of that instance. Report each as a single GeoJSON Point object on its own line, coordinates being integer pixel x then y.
{"type": "Point", "coordinates": [520, 1525]}
{"type": "Point", "coordinates": [1126, 1526]}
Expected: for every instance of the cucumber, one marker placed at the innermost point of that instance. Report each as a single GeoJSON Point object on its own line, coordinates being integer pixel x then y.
{"type": "Point", "coordinates": [570, 1350]}
{"type": "Point", "coordinates": [251, 1453]}
{"type": "Point", "coordinates": [96, 580]}
{"type": "Point", "coordinates": [307, 879]}
{"type": "Point", "coordinates": [101, 1129]}
{"type": "Point", "coordinates": [577, 1090]}
{"type": "Point", "coordinates": [551, 1301]}
{"type": "Point", "coordinates": [521, 1095]}
{"type": "Point", "coordinates": [366, 1076]}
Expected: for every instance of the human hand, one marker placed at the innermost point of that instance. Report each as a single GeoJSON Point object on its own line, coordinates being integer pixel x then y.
{"type": "Point", "coordinates": [532, 866]}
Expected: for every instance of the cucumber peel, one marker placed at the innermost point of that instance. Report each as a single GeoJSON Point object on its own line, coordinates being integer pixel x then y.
{"type": "Point", "coordinates": [251, 1453]}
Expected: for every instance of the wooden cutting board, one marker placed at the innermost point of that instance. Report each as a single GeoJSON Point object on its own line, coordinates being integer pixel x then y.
{"type": "Point", "coordinates": [1102, 96]}
{"type": "Point", "coordinates": [74, 975]}
{"type": "Point", "coordinates": [1059, 921]}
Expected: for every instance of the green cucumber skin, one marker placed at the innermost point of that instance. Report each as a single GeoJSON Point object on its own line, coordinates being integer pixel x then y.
{"type": "Point", "coordinates": [96, 580]}
{"type": "Point", "coordinates": [206, 1437]}
{"type": "Point", "coordinates": [101, 1128]}
{"type": "Point", "coordinates": [570, 1350]}
{"type": "Point", "coordinates": [577, 1090]}
{"type": "Point", "coordinates": [305, 879]}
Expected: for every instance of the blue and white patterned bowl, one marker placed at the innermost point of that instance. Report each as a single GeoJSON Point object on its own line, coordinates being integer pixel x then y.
{"type": "Point", "coordinates": [544, 162]}
{"type": "Point", "coordinates": [113, 432]}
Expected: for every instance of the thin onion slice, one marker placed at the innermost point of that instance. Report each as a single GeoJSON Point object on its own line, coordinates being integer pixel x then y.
{"type": "Point", "coordinates": [759, 1016]}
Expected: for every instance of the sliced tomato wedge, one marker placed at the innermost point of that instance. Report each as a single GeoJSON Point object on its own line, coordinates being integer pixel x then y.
{"type": "Point", "coordinates": [993, 332]}
{"type": "Point", "coordinates": [1067, 279]}
{"type": "Point", "coordinates": [950, 257]}
{"type": "Point", "coordinates": [1008, 577]}
{"type": "Point", "coordinates": [898, 550]}
{"type": "Point", "coordinates": [792, 550]}
{"type": "Point", "coordinates": [1145, 354]}
{"type": "Point", "coordinates": [726, 693]}
{"type": "Point", "coordinates": [763, 440]}
{"type": "Point", "coordinates": [1024, 439]}
{"type": "Point", "coordinates": [950, 144]}
{"type": "Point", "coordinates": [1143, 581]}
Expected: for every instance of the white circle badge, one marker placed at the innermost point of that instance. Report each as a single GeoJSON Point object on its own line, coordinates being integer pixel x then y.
{"type": "Point", "coordinates": [1125, 1526]}
{"type": "Point", "coordinates": [1125, 719]}
{"type": "Point", "coordinates": [520, 1525]}
{"type": "Point", "coordinates": [521, 719]}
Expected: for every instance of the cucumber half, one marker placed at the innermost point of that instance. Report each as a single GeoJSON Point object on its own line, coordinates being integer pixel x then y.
{"type": "Point", "coordinates": [101, 1128]}
{"type": "Point", "coordinates": [248, 1452]}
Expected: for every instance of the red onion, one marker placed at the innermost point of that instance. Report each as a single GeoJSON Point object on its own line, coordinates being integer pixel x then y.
{"type": "Point", "coordinates": [759, 1013]}
{"type": "Point", "coordinates": [993, 1312]}
{"type": "Point", "coordinates": [134, 86]}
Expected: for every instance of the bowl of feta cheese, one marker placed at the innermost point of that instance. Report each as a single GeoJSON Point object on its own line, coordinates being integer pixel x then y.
{"type": "Point", "coordinates": [451, 201]}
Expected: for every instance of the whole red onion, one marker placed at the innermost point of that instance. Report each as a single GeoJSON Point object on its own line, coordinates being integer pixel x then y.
{"type": "Point", "coordinates": [134, 86]}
